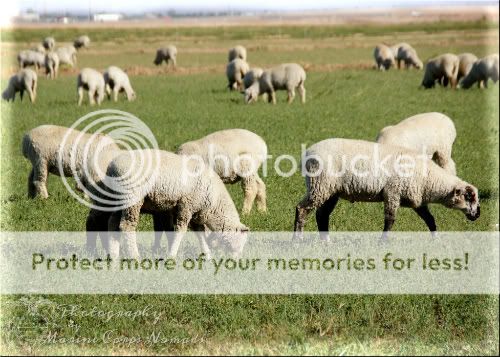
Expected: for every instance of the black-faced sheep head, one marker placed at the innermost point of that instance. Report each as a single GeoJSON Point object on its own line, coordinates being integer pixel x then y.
{"type": "Point", "coordinates": [466, 199]}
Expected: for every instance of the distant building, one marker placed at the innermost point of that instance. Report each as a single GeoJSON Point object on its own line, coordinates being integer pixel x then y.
{"type": "Point", "coordinates": [106, 17]}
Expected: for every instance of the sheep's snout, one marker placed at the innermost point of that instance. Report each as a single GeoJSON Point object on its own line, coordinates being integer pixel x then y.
{"type": "Point", "coordinates": [473, 214]}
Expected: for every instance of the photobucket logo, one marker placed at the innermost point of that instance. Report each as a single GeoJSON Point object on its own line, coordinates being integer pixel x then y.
{"type": "Point", "coordinates": [89, 146]}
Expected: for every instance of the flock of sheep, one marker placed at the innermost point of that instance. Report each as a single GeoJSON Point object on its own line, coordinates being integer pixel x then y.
{"type": "Point", "coordinates": [463, 70]}
{"type": "Point", "coordinates": [203, 204]}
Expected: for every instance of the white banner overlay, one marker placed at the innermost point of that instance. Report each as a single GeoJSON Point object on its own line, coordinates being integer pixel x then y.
{"type": "Point", "coordinates": [271, 263]}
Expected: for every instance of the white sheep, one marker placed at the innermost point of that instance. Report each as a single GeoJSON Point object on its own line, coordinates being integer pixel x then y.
{"type": "Point", "coordinates": [30, 58]}
{"type": "Point", "coordinates": [49, 43]}
{"type": "Point", "coordinates": [25, 80]}
{"type": "Point", "coordinates": [384, 57]}
{"type": "Point", "coordinates": [189, 187]}
{"type": "Point", "coordinates": [92, 81]}
{"type": "Point", "coordinates": [252, 76]}
{"type": "Point", "coordinates": [237, 52]}
{"type": "Point", "coordinates": [433, 132]}
{"type": "Point", "coordinates": [235, 71]}
{"type": "Point", "coordinates": [235, 155]}
{"type": "Point", "coordinates": [286, 76]}
{"type": "Point", "coordinates": [443, 69]}
{"type": "Point", "coordinates": [51, 64]}
{"type": "Point", "coordinates": [362, 171]}
{"type": "Point", "coordinates": [42, 146]}
{"type": "Point", "coordinates": [117, 80]}
{"type": "Point", "coordinates": [408, 55]}
{"type": "Point", "coordinates": [482, 70]}
{"type": "Point", "coordinates": [67, 55]}
{"type": "Point", "coordinates": [81, 42]}
{"type": "Point", "coordinates": [167, 54]}
{"type": "Point", "coordinates": [466, 61]}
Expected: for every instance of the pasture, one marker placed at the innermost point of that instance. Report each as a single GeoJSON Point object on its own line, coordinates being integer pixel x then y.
{"type": "Point", "coordinates": [345, 98]}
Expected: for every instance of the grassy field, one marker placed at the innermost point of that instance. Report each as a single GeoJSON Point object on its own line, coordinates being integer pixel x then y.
{"type": "Point", "coordinates": [346, 98]}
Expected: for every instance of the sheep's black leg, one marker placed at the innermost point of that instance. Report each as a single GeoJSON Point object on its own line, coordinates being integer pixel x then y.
{"type": "Point", "coordinates": [323, 216]}
{"type": "Point", "coordinates": [301, 212]}
{"type": "Point", "coordinates": [159, 227]}
{"type": "Point", "coordinates": [424, 213]}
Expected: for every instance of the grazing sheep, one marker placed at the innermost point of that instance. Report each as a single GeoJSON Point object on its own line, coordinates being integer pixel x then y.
{"type": "Point", "coordinates": [51, 64]}
{"type": "Point", "coordinates": [482, 70]}
{"type": "Point", "coordinates": [409, 56]}
{"type": "Point", "coordinates": [384, 57]}
{"type": "Point", "coordinates": [67, 55]}
{"type": "Point", "coordinates": [252, 76]}
{"type": "Point", "coordinates": [167, 54]}
{"type": "Point", "coordinates": [237, 52]}
{"type": "Point", "coordinates": [25, 80]}
{"type": "Point", "coordinates": [443, 69]}
{"type": "Point", "coordinates": [466, 61]}
{"type": "Point", "coordinates": [433, 132]}
{"type": "Point", "coordinates": [42, 146]}
{"type": "Point", "coordinates": [191, 188]}
{"type": "Point", "coordinates": [362, 171]}
{"type": "Point", "coordinates": [49, 43]}
{"type": "Point", "coordinates": [235, 71]}
{"type": "Point", "coordinates": [235, 155]}
{"type": "Point", "coordinates": [93, 81]}
{"type": "Point", "coordinates": [117, 81]}
{"type": "Point", "coordinates": [286, 76]}
{"type": "Point", "coordinates": [81, 42]}
{"type": "Point", "coordinates": [39, 48]}
{"type": "Point", "coordinates": [30, 58]}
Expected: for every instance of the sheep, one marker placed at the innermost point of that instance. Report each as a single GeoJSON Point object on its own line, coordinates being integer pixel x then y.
{"type": "Point", "coordinates": [237, 52]}
{"type": "Point", "coordinates": [117, 80]}
{"type": "Point", "coordinates": [252, 76]}
{"type": "Point", "coordinates": [81, 42]}
{"type": "Point", "coordinates": [362, 171]}
{"type": "Point", "coordinates": [49, 43]}
{"type": "Point", "coordinates": [433, 132]}
{"type": "Point", "coordinates": [93, 81]}
{"type": "Point", "coordinates": [285, 76]}
{"type": "Point", "coordinates": [25, 80]}
{"type": "Point", "coordinates": [67, 55]}
{"type": "Point", "coordinates": [466, 61]}
{"type": "Point", "coordinates": [409, 56]}
{"type": "Point", "coordinates": [42, 146]}
{"type": "Point", "coordinates": [51, 64]}
{"type": "Point", "coordinates": [30, 58]}
{"type": "Point", "coordinates": [481, 71]}
{"type": "Point", "coordinates": [384, 57]}
{"type": "Point", "coordinates": [167, 54]}
{"type": "Point", "coordinates": [235, 71]}
{"type": "Point", "coordinates": [190, 188]}
{"type": "Point", "coordinates": [443, 69]}
{"type": "Point", "coordinates": [235, 155]}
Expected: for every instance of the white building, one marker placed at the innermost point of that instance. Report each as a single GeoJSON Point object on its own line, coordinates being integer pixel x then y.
{"type": "Point", "coordinates": [106, 17]}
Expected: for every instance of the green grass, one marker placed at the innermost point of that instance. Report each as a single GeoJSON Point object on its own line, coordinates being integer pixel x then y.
{"type": "Point", "coordinates": [347, 103]}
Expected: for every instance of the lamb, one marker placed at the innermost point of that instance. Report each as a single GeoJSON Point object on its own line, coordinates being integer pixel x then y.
{"type": "Point", "coordinates": [30, 58]}
{"type": "Point", "coordinates": [237, 52]}
{"type": "Point", "coordinates": [51, 64]}
{"type": "Point", "coordinates": [362, 171]}
{"type": "Point", "coordinates": [81, 42]}
{"type": "Point", "coordinates": [25, 80]}
{"type": "Point", "coordinates": [49, 43]}
{"type": "Point", "coordinates": [67, 55]}
{"type": "Point", "coordinates": [192, 189]}
{"type": "Point", "coordinates": [42, 146]}
{"type": "Point", "coordinates": [235, 155]}
{"type": "Point", "coordinates": [285, 76]}
{"type": "Point", "coordinates": [252, 76]}
{"type": "Point", "coordinates": [235, 71]}
{"type": "Point", "coordinates": [117, 81]}
{"type": "Point", "coordinates": [466, 61]}
{"type": "Point", "coordinates": [167, 54]}
{"type": "Point", "coordinates": [384, 57]}
{"type": "Point", "coordinates": [482, 70]}
{"type": "Point", "coordinates": [93, 81]}
{"type": "Point", "coordinates": [433, 132]}
{"type": "Point", "coordinates": [443, 69]}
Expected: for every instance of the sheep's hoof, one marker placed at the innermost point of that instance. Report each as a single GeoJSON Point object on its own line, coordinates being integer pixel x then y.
{"type": "Point", "coordinates": [324, 237]}
{"type": "Point", "coordinates": [298, 237]}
